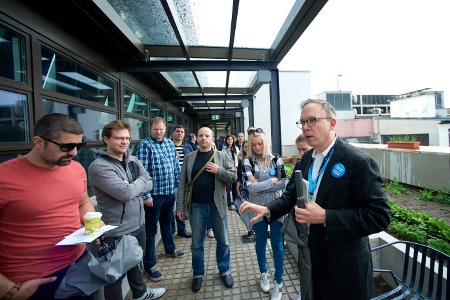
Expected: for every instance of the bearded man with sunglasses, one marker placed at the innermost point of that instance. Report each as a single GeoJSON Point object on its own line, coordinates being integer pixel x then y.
{"type": "Point", "coordinates": [44, 198]}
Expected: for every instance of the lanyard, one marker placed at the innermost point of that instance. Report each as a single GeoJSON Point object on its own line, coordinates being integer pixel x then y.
{"type": "Point", "coordinates": [312, 184]}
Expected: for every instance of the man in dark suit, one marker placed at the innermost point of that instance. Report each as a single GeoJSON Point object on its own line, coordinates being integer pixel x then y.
{"type": "Point", "coordinates": [346, 203]}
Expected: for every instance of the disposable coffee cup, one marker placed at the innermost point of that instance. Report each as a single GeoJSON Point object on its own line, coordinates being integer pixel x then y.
{"type": "Point", "coordinates": [92, 222]}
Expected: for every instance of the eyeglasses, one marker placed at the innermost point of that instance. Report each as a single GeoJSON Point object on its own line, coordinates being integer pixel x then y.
{"type": "Point", "coordinates": [127, 138]}
{"type": "Point", "coordinates": [255, 130]}
{"type": "Point", "coordinates": [66, 147]}
{"type": "Point", "coordinates": [311, 121]}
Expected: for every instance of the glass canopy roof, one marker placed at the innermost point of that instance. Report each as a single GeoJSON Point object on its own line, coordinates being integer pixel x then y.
{"type": "Point", "coordinates": [210, 48]}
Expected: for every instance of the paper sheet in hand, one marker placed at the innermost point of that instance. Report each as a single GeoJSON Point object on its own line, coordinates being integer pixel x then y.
{"type": "Point", "coordinates": [79, 237]}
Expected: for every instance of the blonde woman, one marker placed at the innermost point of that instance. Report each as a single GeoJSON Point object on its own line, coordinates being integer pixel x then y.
{"type": "Point", "coordinates": [265, 179]}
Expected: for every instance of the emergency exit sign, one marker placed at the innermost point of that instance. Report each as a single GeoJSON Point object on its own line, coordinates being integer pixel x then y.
{"type": "Point", "coordinates": [215, 117]}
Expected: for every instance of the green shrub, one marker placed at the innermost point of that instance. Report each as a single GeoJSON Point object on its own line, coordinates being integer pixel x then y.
{"type": "Point", "coordinates": [443, 196]}
{"type": "Point", "coordinates": [402, 138]}
{"type": "Point", "coordinates": [289, 169]}
{"type": "Point", "coordinates": [420, 228]}
{"type": "Point", "coordinates": [395, 187]}
{"type": "Point", "coordinates": [426, 194]}
{"type": "Point", "coordinates": [440, 245]}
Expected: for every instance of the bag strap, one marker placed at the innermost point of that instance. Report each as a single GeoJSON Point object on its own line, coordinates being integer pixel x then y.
{"type": "Point", "coordinates": [203, 168]}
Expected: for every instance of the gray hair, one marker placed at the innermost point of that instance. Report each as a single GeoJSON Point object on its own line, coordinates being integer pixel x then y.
{"type": "Point", "coordinates": [331, 111]}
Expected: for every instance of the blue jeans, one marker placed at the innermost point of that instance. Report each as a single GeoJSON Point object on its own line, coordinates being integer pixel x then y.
{"type": "Point", "coordinates": [276, 241]}
{"type": "Point", "coordinates": [161, 211]}
{"type": "Point", "coordinates": [201, 216]}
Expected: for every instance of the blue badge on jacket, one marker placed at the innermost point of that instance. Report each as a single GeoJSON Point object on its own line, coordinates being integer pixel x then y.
{"type": "Point", "coordinates": [272, 172]}
{"type": "Point", "coordinates": [338, 170]}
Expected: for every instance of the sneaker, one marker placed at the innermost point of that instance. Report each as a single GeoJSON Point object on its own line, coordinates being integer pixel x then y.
{"type": "Point", "coordinates": [264, 282]}
{"type": "Point", "coordinates": [153, 273]}
{"type": "Point", "coordinates": [232, 207]}
{"type": "Point", "coordinates": [299, 297]}
{"type": "Point", "coordinates": [152, 294]}
{"type": "Point", "coordinates": [250, 233]}
{"type": "Point", "coordinates": [277, 293]}
{"type": "Point", "coordinates": [176, 253]}
{"type": "Point", "coordinates": [210, 233]}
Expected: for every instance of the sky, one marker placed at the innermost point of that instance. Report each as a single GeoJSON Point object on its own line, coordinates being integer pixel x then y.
{"type": "Point", "coordinates": [378, 46]}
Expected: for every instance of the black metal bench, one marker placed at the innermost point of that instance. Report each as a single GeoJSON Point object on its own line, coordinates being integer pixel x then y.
{"type": "Point", "coordinates": [418, 281]}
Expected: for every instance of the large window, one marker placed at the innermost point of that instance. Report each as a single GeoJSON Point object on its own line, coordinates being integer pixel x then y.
{"type": "Point", "coordinates": [136, 104]}
{"type": "Point", "coordinates": [158, 111]}
{"type": "Point", "coordinates": [340, 101]}
{"type": "Point", "coordinates": [92, 121]}
{"type": "Point", "coordinates": [141, 129]}
{"type": "Point", "coordinates": [14, 126]}
{"type": "Point", "coordinates": [12, 55]}
{"type": "Point", "coordinates": [62, 75]}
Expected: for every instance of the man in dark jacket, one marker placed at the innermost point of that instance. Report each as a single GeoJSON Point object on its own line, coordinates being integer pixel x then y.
{"type": "Point", "coordinates": [346, 203]}
{"type": "Point", "coordinates": [193, 141]}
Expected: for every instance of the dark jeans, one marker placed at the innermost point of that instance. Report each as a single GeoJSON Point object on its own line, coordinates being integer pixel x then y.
{"type": "Point", "coordinates": [233, 194]}
{"type": "Point", "coordinates": [181, 225]}
{"type": "Point", "coordinates": [113, 291]}
{"type": "Point", "coordinates": [47, 291]}
{"type": "Point", "coordinates": [161, 211]}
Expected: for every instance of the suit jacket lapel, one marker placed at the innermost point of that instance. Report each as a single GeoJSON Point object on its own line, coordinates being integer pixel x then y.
{"type": "Point", "coordinates": [328, 180]}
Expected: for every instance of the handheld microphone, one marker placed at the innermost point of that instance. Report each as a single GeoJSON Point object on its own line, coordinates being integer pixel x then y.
{"type": "Point", "coordinates": [299, 188]}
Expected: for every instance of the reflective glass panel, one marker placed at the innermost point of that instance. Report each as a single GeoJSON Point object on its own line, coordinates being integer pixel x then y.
{"type": "Point", "coordinates": [85, 156]}
{"type": "Point", "coordinates": [180, 121]}
{"type": "Point", "coordinates": [92, 121]}
{"type": "Point", "coordinates": [135, 104]}
{"type": "Point", "coordinates": [141, 129]}
{"type": "Point", "coordinates": [158, 111]}
{"type": "Point", "coordinates": [14, 126]}
{"type": "Point", "coordinates": [171, 117]}
{"type": "Point", "coordinates": [62, 75]}
{"type": "Point", "coordinates": [147, 20]}
{"type": "Point", "coordinates": [12, 55]}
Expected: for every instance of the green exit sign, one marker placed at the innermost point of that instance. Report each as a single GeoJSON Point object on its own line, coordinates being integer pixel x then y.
{"type": "Point", "coordinates": [215, 117]}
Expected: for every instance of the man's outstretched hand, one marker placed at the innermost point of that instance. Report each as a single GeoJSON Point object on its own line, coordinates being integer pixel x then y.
{"type": "Point", "coordinates": [259, 210]}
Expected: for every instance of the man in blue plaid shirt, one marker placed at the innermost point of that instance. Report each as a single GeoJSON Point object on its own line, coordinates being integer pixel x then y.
{"type": "Point", "coordinates": [158, 156]}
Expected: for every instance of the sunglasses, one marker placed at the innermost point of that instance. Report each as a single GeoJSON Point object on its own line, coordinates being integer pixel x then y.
{"type": "Point", "coordinates": [66, 147]}
{"type": "Point", "coordinates": [255, 130]}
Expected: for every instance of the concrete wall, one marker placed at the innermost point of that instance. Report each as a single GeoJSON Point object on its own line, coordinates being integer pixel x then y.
{"type": "Point", "coordinates": [355, 128]}
{"type": "Point", "coordinates": [429, 166]}
{"type": "Point", "coordinates": [412, 126]}
{"type": "Point", "coordinates": [421, 106]}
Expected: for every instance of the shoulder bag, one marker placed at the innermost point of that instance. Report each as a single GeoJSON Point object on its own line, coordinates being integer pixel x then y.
{"type": "Point", "coordinates": [187, 192]}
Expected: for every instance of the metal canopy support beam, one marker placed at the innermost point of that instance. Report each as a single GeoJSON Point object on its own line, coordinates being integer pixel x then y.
{"type": "Point", "coordinates": [300, 17]}
{"type": "Point", "coordinates": [210, 98]}
{"type": "Point", "coordinates": [251, 113]}
{"type": "Point", "coordinates": [213, 110]}
{"type": "Point", "coordinates": [204, 52]}
{"type": "Point", "coordinates": [275, 112]}
{"type": "Point", "coordinates": [190, 65]}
